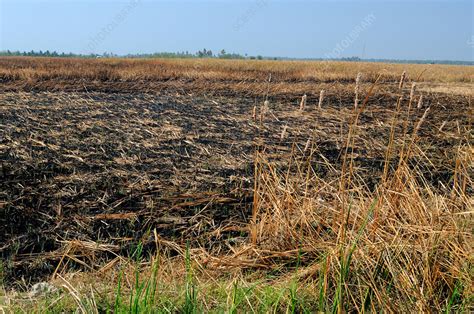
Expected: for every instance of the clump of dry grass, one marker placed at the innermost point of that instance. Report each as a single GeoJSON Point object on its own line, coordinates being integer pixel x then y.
{"type": "Point", "coordinates": [404, 233]}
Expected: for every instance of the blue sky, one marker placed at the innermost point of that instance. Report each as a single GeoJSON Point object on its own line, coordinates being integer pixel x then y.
{"type": "Point", "coordinates": [303, 29]}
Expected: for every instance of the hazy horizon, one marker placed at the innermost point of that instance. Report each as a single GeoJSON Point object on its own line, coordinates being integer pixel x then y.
{"type": "Point", "coordinates": [416, 30]}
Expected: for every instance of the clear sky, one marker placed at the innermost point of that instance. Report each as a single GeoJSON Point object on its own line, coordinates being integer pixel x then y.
{"type": "Point", "coordinates": [418, 29]}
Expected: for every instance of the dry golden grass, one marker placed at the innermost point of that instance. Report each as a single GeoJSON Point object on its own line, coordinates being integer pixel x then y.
{"type": "Point", "coordinates": [137, 70]}
{"type": "Point", "coordinates": [466, 89]}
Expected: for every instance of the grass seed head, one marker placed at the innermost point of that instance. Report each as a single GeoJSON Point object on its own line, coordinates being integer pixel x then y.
{"type": "Point", "coordinates": [358, 79]}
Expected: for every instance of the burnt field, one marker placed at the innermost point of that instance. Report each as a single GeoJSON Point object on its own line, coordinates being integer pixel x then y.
{"type": "Point", "coordinates": [108, 167]}
{"type": "Point", "coordinates": [88, 171]}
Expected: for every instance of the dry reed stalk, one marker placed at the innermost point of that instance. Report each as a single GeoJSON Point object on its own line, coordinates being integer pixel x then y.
{"type": "Point", "coordinates": [415, 133]}
{"type": "Point", "coordinates": [256, 199]}
{"type": "Point", "coordinates": [417, 128]}
{"type": "Point", "coordinates": [254, 113]}
{"type": "Point", "coordinates": [388, 157]}
{"type": "Point", "coordinates": [357, 89]}
{"type": "Point", "coordinates": [391, 140]}
{"type": "Point", "coordinates": [402, 80]}
{"type": "Point", "coordinates": [462, 177]}
{"type": "Point", "coordinates": [406, 121]}
{"type": "Point", "coordinates": [308, 143]}
{"type": "Point", "coordinates": [321, 99]}
{"type": "Point", "coordinates": [442, 126]}
{"type": "Point", "coordinates": [283, 132]}
{"type": "Point", "coordinates": [264, 110]}
{"type": "Point", "coordinates": [345, 178]}
{"type": "Point", "coordinates": [303, 102]}
{"type": "Point", "coordinates": [420, 102]}
{"type": "Point", "coordinates": [412, 92]}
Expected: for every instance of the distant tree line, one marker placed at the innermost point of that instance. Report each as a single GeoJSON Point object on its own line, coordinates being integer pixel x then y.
{"type": "Point", "coordinates": [33, 53]}
{"type": "Point", "coordinates": [207, 53]}
{"type": "Point", "coordinates": [204, 53]}
{"type": "Point", "coordinates": [53, 54]}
